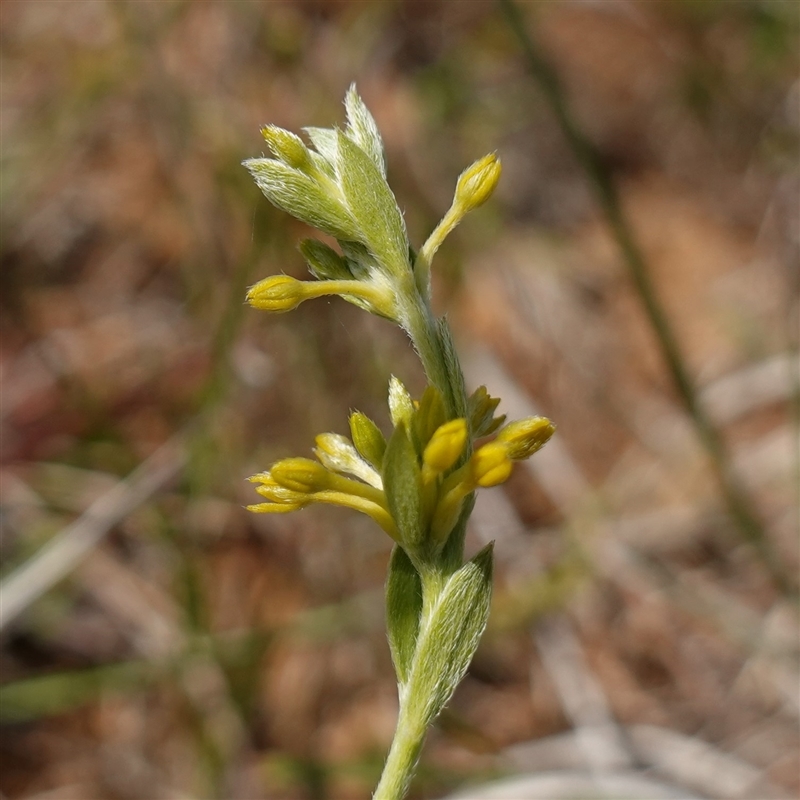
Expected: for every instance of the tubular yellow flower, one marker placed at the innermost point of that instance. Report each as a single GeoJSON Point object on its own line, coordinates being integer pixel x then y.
{"type": "Point", "coordinates": [278, 293]}
{"type": "Point", "coordinates": [301, 475]}
{"type": "Point", "coordinates": [276, 493]}
{"type": "Point", "coordinates": [448, 510]}
{"type": "Point", "coordinates": [524, 437]}
{"type": "Point", "coordinates": [309, 478]}
{"type": "Point", "coordinates": [294, 483]}
{"type": "Point", "coordinates": [446, 446]}
{"type": "Point", "coordinates": [490, 465]}
{"type": "Point", "coordinates": [280, 494]}
{"type": "Point", "coordinates": [275, 508]}
{"type": "Point", "coordinates": [377, 511]}
{"type": "Point", "coordinates": [477, 183]}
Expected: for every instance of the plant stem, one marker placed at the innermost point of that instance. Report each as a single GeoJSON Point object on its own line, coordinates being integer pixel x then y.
{"type": "Point", "coordinates": [442, 371]}
{"type": "Point", "coordinates": [402, 760]}
{"type": "Point", "coordinates": [740, 506]}
{"type": "Point", "coordinates": [412, 724]}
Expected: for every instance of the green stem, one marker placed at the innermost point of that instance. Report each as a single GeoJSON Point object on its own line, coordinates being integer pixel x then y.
{"type": "Point", "coordinates": [403, 756]}
{"type": "Point", "coordinates": [421, 327]}
{"type": "Point", "coordinates": [411, 728]}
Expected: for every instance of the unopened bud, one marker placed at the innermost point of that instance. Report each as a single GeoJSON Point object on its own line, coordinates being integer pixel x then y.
{"type": "Point", "coordinates": [524, 437]}
{"type": "Point", "coordinates": [490, 465]}
{"type": "Point", "coordinates": [474, 187]}
{"type": "Point", "coordinates": [477, 182]}
{"type": "Point", "coordinates": [277, 293]}
{"type": "Point", "coordinates": [300, 475]}
{"type": "Point", "coordinates": [446, 445]}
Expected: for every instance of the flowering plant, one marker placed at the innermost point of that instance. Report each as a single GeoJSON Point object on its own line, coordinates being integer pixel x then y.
{"type": "Point", "coordinates": [418, 483]}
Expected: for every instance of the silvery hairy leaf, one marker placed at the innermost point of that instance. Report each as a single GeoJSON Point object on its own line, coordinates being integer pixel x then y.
{"type": "Point", "coordinates": [372, 204]}
{"type": "Point", "coordinates": [401, 406]}
{"type": "Point", "coordinates": [325, 141]}
{"type": "Point", "coordinates": [324, 262]}
{"type": "Point", "coordinates": [302, 197]}
{"type": "Point", "coordinates": [448, 642]}
{"type": "Point", "coordinates": [361, 128]}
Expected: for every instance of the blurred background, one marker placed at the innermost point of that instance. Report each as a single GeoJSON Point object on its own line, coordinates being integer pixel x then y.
{"type": "Point", "coordinates": [158, 641]}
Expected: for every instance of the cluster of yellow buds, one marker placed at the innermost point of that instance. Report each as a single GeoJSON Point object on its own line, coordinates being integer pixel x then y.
{"type": "Point", "coordinates": [415, 483]}
{"type": "Point", "coordinates": [338, 185]}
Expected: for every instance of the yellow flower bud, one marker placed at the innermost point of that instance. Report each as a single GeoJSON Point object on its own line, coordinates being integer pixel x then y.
{"type": "Point", "coordinates": [300, 475]}
{"type": "Point", "coordinates": [446, 445]}
{"type": "Point", "coordinates": [287, 147]}
{"type": "Point", "coordinates": [279, 494]}
{"type": "Point", "coordinates": [277, 293]}
{"type": "Point", "coordinates": [281, 500]}
{"type": "Point", "coordinates": [477, 182]}
{"type": "Point", "coordinates": [475, 186]}
{"type": "Point", "coordinates": [490, 465]}
{"type": "Point", "coordinates": [524, 437]}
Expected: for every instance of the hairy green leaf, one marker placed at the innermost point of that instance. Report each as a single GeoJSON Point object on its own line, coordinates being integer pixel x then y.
{"type": "Point", "coordinates": [403, 609]}
{"type": "Point", "coordinates": [455, 376]}
{"type": "Point", "coordinates": [325, 142]}
{"type": "Point", "coordinates": [449, 640]}
{"type": "Point", "coordinates": [401, 406]}
{"type": "Point", "coordinates": [324, 262]}
{"type": "Point", "coordinates": [371, 202]}
{"type": "Point", "coordinates": [367, 438]}
{"type": "Point", "coordinates": [302, 197]}
{"type": "Point", "coordinates": [403, 486]}
{"type": "Point", "coordinates": [361, 128]}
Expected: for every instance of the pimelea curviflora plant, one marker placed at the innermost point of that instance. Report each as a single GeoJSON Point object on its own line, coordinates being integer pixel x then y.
{"type": "Point", "coordinates": [417, 483]}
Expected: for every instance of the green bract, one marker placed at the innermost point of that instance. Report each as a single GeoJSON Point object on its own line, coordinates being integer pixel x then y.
{"type": "Point", "coordinates": [418, 483]}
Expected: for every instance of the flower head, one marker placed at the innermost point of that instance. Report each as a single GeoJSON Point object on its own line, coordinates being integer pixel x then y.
{"type": "Point", "coordinates": [415, 486]}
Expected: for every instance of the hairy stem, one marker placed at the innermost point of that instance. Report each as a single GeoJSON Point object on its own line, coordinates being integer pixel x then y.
{"type": "Point", "coordinates": [403, 756]}
{"type": "Point", "coordinates": [412, 722]}
{"type": "Point", "coordinates": [422, 328]}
